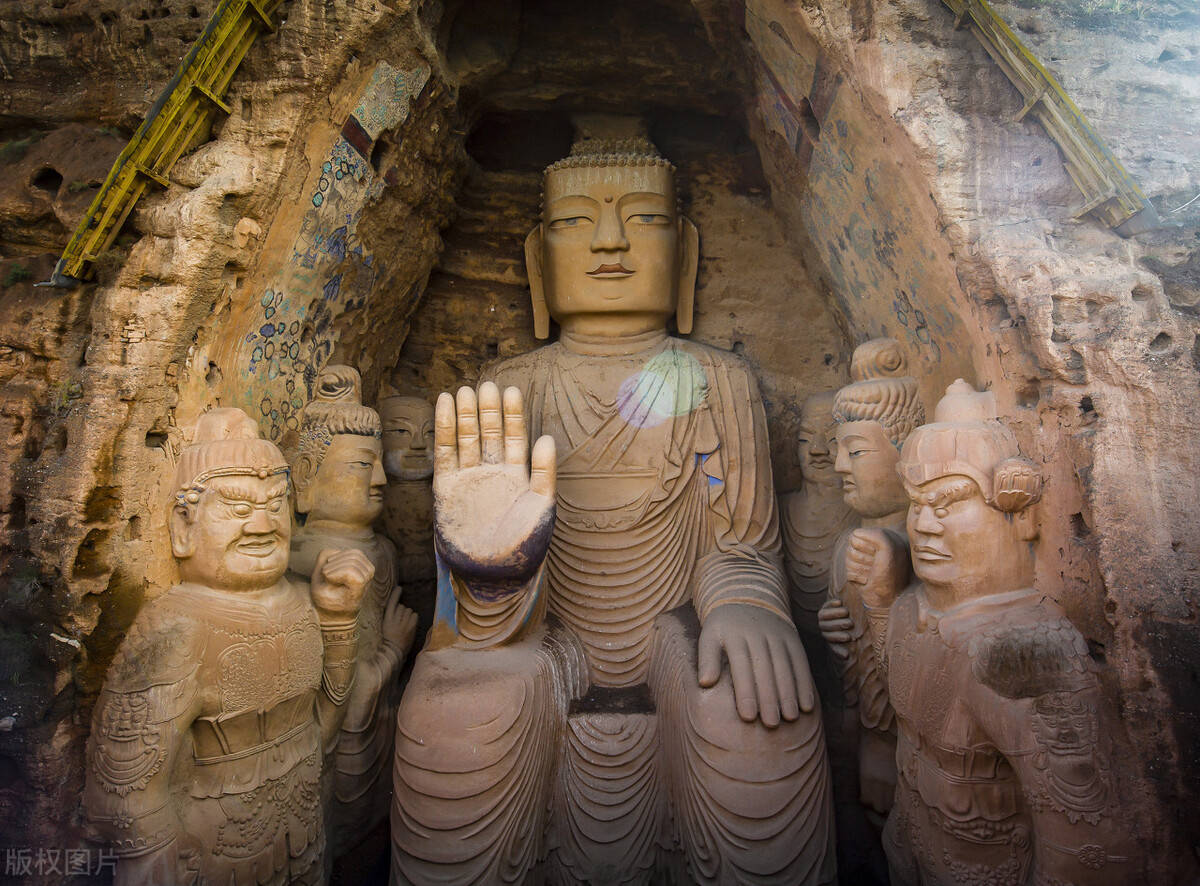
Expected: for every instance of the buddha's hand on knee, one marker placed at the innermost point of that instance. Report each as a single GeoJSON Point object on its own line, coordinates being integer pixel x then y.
{"type": "Point", "coordinates": [833, 618]}
{"type": "Point", "coordinates": [767, 664]}
{"type": "Point", "coordinates": [877, 565]}
{"type": "Point", "coordinates": [493, 511]}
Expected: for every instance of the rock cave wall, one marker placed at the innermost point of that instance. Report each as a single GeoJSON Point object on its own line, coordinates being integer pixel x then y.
{"type": "Point", "coordinates": [854, 171]}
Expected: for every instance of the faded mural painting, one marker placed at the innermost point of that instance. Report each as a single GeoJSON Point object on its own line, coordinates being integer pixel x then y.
{"type": "Point", "coordinates": [328, 271]}
{"type": "Point", "coordinates": [869, 247]}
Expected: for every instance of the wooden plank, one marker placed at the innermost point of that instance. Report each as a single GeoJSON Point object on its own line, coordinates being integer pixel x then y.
{"type": "Point", "coordinates": [1110, 193]}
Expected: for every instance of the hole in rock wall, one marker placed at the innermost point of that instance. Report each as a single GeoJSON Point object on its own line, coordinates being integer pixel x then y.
{"type": "Point", "coordinates": [47, 179]}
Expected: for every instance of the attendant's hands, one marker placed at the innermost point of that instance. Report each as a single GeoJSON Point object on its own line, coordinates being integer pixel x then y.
{"type": "Point", "coordinates": [878, 564]}
{"type": "Point", "coordinates": [493, 515]}
{"type": "Point", "coordinates": [338, 582]}
{"type": "Point", "coordinates": [767, 664]}
{"type": "Point", "coordinates": [833, 618]}
{"type": "Point", "coordinates": [399, 625]}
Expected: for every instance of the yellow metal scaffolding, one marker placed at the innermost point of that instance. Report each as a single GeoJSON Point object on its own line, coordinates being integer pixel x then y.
{"type": "Point", "coordinates": [178, 120]}
{"type": "Point", "coordinates": [1110, 193]}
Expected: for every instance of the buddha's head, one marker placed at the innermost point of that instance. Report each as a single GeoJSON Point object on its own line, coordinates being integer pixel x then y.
{"type": "Point", "coordinates": [874, 415]}
{"type": "Point", "coordinates": [813, 440]}
{"type": "Point", "coordinates": [339, 471]}
{"type": "Point", "coordinates": [612, 255]}
{"type": "Point", "coordinates": [971, 520]}
{"type": "Point", "coordinates": [230, 525]}
{"type": "Point", "coordinates": [407, 437]}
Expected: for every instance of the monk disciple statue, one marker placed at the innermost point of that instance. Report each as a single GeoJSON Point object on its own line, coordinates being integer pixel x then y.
{"type": "Point", "coordinates": [204, 760]}
{"type": "Point", "coordinates": [408, 498]}
{"type": "Point", "coordinates": [339, 492]}
{"type": "Point", "coordinates": [815, 516]}
{"type": "Point", "coordinates": [1004, 776]}
{"type": "Point", "coordinates": [613, 690]}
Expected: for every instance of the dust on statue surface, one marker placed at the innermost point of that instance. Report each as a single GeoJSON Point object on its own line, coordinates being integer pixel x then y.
{"type": "Point", "coordinates": [1003, 770]}
{"type": "Point", "coordinates": [570, 715]}
{"type": "Point", "coordinates": [204, 761]}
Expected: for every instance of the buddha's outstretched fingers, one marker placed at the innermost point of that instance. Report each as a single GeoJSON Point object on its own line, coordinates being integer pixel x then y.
{"type": "Point", "coordinates": [445, 441]}
{"type": "Point", "coordinates": [516, 443]}
{"type": "Point", "coordinates": [543, 476]}
{"type": "Point", "coordinates": [491, 426]}
{"type": "Point", "coordinates": [468, 428]}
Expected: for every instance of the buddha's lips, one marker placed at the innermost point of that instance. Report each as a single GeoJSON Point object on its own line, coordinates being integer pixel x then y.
{"type": "Point", "coordinates": [610, 270]}
{"type": "Point", "coordinates": [926, 552]}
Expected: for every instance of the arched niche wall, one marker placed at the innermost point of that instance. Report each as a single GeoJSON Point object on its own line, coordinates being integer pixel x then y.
{"type": "Point", "coordinates": [365, 202]}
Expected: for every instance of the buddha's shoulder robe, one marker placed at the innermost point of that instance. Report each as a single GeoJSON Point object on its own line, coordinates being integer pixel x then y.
{"type": "Point", "coordinates": [664, 491]}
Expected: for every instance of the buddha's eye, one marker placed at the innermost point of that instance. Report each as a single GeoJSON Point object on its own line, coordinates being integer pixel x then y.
{"type": "Point", "coordinates": [651, 218]}
{"type": "Point", "coordinates": [941, 512]}
{"type": "Point", "coordinates": [569, 222]}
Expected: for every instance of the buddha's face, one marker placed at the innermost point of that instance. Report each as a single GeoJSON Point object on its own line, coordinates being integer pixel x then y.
{"type": "Point", "coordinates": [866, 461]}
{"type": "Point", "coordinates": [611, 242]}
{"type": "Point", "coordinates": [813, 440]}
{"type": "Point", "coordinates": [348, 485]}
{"type": "Point", "coordinates": [961, 543]}
{"type": "Point", "coordinates": [407, 438]}
{"type": "Point", "coordinates": [236, 537]}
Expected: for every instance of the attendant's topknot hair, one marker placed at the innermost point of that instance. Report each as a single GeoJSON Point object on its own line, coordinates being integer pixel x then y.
{"type": "Point", "coordinates": [881, 391]}
{"type": "Point", "coordinates": [336, 409]}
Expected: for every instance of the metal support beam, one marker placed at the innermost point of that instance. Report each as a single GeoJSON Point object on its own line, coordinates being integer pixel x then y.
{"type": "Point", "coordinates": [177, 122]}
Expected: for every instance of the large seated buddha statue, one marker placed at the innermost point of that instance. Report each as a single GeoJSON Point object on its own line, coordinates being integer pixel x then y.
{"type": "Point", "coordinates": [613, 690]}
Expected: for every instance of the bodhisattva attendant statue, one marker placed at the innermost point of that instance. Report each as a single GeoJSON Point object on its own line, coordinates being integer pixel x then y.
{"type": "Point", "coordinates": [339, 482]}
{"type": "Point", "coordinates": [875, 413]}
{"type": "Point", "coordinates": [815, 516]}
{"type": "Point", "coordinates": [613, 684]}
{"type": "Point", "coordinates": [204, 760]}
{"type": "Point", "coordinates": [1004, 778]}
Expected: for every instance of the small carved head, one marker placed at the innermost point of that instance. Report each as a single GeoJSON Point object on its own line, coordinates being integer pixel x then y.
{"type": "Point", "coordinates": [339, 469]}
{"type": "Point", "coordinates": [813, 439]}
{"type": "Point", "coordinates": [407, 437]}
{"type": "Point", "coordinates": [611, 241]}
{"type": "Point", "coordinates": [230, 526]}
{"type": "Point", "coordinates": [875, 413]}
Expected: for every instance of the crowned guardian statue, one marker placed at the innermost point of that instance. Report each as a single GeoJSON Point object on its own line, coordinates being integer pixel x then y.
{"type": "Point", "coordinates": [204, 760]}
{"type": "Point", "coordinates": [1002, 754]}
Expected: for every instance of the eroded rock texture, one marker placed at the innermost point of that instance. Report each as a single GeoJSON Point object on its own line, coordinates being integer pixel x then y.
{"type": "Point", "coordinates": [855, 170]}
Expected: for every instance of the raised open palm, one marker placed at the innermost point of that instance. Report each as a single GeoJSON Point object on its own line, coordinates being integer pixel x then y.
{"type": "Point", "coordinates": [493, 514]}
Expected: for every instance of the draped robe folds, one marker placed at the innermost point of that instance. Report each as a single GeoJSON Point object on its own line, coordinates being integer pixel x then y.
{"type": "Point", "coordinates": [505, 770]}
{"type": "Point", "coordinates": [356, 780]}
{"type": "Point", "coordinates": [664, 489]}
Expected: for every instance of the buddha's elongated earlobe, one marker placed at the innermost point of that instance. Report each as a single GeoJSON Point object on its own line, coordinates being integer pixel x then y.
{"type": "Point", "coordinates": [537, 293]}
{"type": "Point", "coordinates": [689, 262]}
